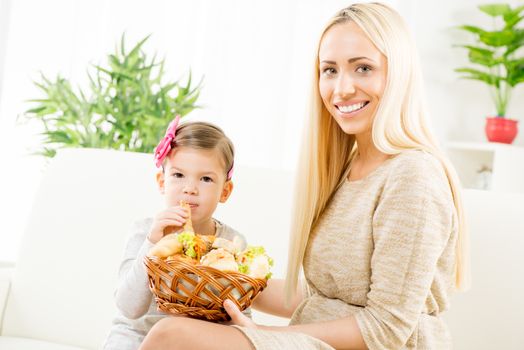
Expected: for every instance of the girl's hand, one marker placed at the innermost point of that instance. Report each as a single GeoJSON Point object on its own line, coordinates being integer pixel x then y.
{"type": "Point", "coordinates": [165, 221]}
{"type": "Point", "coordinates": [237, 317]}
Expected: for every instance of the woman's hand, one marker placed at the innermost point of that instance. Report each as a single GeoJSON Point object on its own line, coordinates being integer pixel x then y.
{"type": "Point", "coordinates": [173, 217]}
{"type": "Point", "coordinates": [237, 317]}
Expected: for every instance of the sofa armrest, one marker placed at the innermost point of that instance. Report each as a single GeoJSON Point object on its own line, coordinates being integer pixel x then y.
{"type": "Point", "coordinates": [6, 270]}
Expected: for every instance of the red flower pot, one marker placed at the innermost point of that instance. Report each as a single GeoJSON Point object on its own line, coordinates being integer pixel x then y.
{"type": "Point", "coordinates": [499, 129]}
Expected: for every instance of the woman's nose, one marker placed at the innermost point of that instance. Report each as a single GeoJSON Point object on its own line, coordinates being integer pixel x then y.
{"type": "Point", "coordinates": [345, 86]}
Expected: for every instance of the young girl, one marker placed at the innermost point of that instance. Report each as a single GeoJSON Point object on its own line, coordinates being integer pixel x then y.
{"type": "Point", "coordinates": [196, 161]}
{"type": "Point", "coordinates": [378, 225]}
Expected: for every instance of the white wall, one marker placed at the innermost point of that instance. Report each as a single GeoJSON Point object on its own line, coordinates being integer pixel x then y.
{"type": "Point", "coordinates": [458, 106]}
{"type": "Point", "coordinates": [5, 6]}
{"type": "Point", "coordinates": [255, 57]}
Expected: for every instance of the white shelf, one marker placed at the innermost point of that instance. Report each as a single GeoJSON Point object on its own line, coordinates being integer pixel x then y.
{"type": "Point", "coordinates": [503, 165]}
{"type": "Point", "coordinates": [481, 146]}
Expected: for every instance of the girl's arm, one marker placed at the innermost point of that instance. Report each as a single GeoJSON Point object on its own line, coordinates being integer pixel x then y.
{"type": "Point", "coordinates": [272, 299]}
{"type": "Point", "coordinates": [132, 295]}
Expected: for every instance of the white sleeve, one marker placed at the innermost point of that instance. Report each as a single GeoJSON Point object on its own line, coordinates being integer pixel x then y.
{"type": "Point", "coordinates": [132, 295]}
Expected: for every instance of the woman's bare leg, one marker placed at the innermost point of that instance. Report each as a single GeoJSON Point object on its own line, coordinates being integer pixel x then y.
{"type": "Point", "coordinates": [172, 333]}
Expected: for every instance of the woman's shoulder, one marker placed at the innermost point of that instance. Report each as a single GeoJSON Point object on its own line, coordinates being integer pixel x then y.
{"type": "Point", "coordinates": [416, 157]}
{"type": "Point", "coordinates": [412, 162]}
{"type": "Point", "coordinates": [417, 167]}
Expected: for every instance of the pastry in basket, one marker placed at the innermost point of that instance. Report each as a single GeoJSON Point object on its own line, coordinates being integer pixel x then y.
{"type": "Point", "coordinates": [220, 259]}
{"type": "Point", "coordinates": [167, 246]}
{"type": "Point", "coordinates": [186, 243]}
{"type": "Point", "coordinates": [233, 246]}
{"type": "Point", "coordinates": [255, 263]}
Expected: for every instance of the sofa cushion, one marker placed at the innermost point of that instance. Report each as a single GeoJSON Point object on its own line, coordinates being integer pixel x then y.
{"type": "Point", "coordinates": [14, 343]}
{"type": "Point", "coordinates": [491, 311]}
{"type": "Point", "coordinates": [65, 276]}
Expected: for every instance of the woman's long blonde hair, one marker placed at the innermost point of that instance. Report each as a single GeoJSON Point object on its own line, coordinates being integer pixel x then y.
{"type": "Point", "coordinates": [400, 124]}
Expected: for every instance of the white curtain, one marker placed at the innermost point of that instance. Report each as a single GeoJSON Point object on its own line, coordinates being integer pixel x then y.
{"type": "Point", "coordinates": [255, 58]}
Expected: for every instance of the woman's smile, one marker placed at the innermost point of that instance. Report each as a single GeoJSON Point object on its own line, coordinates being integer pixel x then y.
{"type": "Point", "coordinates": [350, 109]}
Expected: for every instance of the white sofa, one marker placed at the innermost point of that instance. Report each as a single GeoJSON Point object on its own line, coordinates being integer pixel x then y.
{"type": "Point", "coordinates": [59, 295]}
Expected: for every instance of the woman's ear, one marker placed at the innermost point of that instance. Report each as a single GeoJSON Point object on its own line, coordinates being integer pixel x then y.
{"type": "Point", "coordinates": [160, 180]}
{"type": "Point", "coordinates": [226, 191]}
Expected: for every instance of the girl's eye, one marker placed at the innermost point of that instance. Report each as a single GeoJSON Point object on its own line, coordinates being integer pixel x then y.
{"type": "Point", "coordinates": [178, 175]}
{"type": "Point", "coordinates": [329, 71]}
{"type": "Point", "coordinates": [207, 179]}
{"type": "Point", "coordinates": [364, 69]}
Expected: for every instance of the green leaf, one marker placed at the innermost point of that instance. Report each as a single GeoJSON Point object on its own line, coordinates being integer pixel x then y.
{"type": "Point", "coordinates": [58, 136]}
{"type": "Point", "coordinates": [512, 20]}
{"type": "Point", "coordinates": [495, 10]}
{"type": "Point", "coordinates": [517, 43]}
{"type": "Point", "coordinates": [475, 74]}
{"type": "Point", "coordinates": [515, 69]}
{"type": "Point", "coordinates": [498, 38]}
{"type": "Point", "coordinates": [137, 47]}
{"type": "Point", "coordinates": [472, 29]}
{"type": "Point", "coordinates": [47, 152]}
{"type": "Point", "coordinates": [35, 110]}
{"type": "Point", "coordinates": [481, 56]}
{"type": "Point", "coordinates": [122, 44]}
{"type": "Point", "coordinates": [513, 17]}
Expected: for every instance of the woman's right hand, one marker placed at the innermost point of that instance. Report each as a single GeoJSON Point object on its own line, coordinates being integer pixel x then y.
{"type": "Point", "coordinates": [166, 222]}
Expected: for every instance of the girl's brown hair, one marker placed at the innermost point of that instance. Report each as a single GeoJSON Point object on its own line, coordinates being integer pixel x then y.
{"type": "Point", "coordinates": [203, 135]}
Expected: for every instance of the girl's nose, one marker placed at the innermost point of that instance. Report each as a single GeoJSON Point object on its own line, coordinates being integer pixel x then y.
{"type": "Point", "coordinates": [345, 86]}
{"type": "Point", "coordinates": [189, 188]}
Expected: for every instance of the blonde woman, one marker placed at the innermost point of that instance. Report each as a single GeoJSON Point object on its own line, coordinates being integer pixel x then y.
{"type": "Point", "coordinates": [378, 225]}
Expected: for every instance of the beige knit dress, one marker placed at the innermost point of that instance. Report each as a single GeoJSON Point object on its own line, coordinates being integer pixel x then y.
{"type": "Point", "coordinates": [383, 251]}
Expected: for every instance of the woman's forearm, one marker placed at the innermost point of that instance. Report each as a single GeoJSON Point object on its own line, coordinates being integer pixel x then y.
{"type": "Point", "coordinates": [272, 299]}
{"type": "Point", "coordinates": [341, 334]}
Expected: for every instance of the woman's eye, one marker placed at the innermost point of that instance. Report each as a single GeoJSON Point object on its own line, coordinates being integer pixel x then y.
{"type": "Point", "coordinates": [178, 175]}
{"type": "Point", "coordinates": [364, 69]}
{"type": "Point", "coordinates": [329, 71]}
{"type": "Point", "coordinates": [207, 179]}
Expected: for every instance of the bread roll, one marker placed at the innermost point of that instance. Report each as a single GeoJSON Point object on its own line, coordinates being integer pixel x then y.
{"type": "Point", "coordinates": [168, 245]}
{"type": "Point", "coordinates": [220, 259]}
{"type": "Point", "coordinates": [231, 246]}
{"type": "Point", "coordinates": [225, 265]}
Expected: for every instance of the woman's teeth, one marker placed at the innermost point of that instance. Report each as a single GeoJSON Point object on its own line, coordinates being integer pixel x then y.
{"type": "Point", "coordinates": [351, 108]}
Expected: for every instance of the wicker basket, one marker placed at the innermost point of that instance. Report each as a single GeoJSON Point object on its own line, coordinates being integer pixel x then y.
{"type": "Point", "coordinates": [180, 287]}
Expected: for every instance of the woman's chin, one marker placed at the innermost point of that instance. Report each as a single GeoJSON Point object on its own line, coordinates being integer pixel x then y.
{"type": "Point", "coordinates": [353, 127]}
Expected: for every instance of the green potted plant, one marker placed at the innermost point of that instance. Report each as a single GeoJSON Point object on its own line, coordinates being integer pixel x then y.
{"type": "Point", "coordinates": [127, 108]}
{"type": "Point", "coordinates": [500, 65]}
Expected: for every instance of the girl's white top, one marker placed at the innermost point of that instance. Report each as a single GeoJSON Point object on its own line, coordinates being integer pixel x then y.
{"type": "Point", "coordinates": [136, 305]}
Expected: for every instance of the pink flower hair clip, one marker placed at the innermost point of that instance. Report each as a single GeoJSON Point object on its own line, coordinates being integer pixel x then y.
{"type": "Point", "coordinates": [164, 146]}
